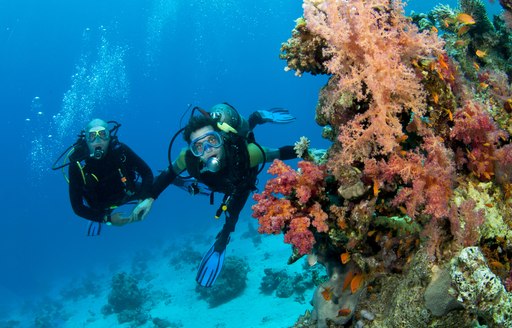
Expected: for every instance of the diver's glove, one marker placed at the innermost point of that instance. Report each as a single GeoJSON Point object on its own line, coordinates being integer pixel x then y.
{"type": "Point", "coordinates": [221, 241]}
{"type": "Point", "coordinates": [275, 115]}
{"type": "Point", "coordinates": [142, 209]}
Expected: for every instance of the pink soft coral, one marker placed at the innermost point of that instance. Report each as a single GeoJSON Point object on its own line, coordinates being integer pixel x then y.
{"type": "Point", "coordinates": [371, 45]}
{"type": "Point", "coordinates": [428, 180]}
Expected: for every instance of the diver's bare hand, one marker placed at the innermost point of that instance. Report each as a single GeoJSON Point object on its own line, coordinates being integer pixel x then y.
{"type": "Point", "coordinates": [142, 209]}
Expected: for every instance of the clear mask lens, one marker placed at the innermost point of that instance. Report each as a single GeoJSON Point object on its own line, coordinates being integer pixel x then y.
{"type": "Point", "coordinates": [102, 134]}
{"type": "Point", "coordinates": [199, 145]}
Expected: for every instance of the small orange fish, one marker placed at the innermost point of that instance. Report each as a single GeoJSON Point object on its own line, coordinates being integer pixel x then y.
{"type": "Point", "coordinates": [356, 282]}
{"type": "Point", "coordinates": [441, 77]}
{"type": "Point", "coordinates": [435, 98]}
{"type": "Point", "coordinates": [375, 187]}
{"type": "Point", "coordinates": [489, 205]}
{"type": "Point", "coordinates": [483, 85]}
{"type": "Point", "coordinates": [471, 156]}
{"type": "Point", "coordinates": [434, 29]}
{"type": "Point", "coordinates": [465, 19]}
{"type": "Point", "coordinates": [460, 43]}
{"type": "Point", "coordinates": [327, 293]}
{"type": "Point", "coordinates": [402, 138]}
{"type": "Point", "coordinates": [345, 257]}
{"type": "Point", "coordinates": [480, 53]}
{"type": "Point", "coordinates": [450, 115]}
{"type": "Point", "coordinates": [476, 66]}
{"type": "Point", "coordinates": [463, 30]}
{"type": "Point", "coordinates": [344, 312]}
{"type": "Point", "coordinates": [348, 279]}
{"type": "Point", "coordinates": [442, 62]}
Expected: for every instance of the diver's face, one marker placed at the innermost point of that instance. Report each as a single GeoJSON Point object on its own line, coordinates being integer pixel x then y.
{"type": "Point", "coordinates": [97, 139]}
{"type": "Point", "coordinates": [205, 141]}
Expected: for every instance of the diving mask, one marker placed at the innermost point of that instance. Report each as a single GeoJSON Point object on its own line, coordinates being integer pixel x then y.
{"type": "Point", "coordinates": [201, 144]}
{"type": "Point", "coordinates": [98, 132]}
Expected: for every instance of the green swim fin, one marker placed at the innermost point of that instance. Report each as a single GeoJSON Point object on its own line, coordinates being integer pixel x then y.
{"type": "Point", "coordinates": [210, 267]}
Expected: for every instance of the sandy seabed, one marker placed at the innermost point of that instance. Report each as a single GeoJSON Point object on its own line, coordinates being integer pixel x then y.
{"type": "Point", "coordinates": [178, 302]}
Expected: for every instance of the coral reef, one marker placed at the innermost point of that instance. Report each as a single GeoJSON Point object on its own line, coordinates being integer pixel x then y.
{"type": "Point", "coordinates": [49, 314]}
{"type": "Point", "coordinates": [230, 283]}
{"type": "Point", "coordinates": [127, 300]}
{"type": "Point", "coordinates": [87, 286]}
{"type": "Point", "coordinates": [285, 285]}
{"type": "Point", "coordinates": [419, 166]}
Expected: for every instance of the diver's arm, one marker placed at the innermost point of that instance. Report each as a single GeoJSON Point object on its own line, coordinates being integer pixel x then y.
{"type": "Point", "coordinates": [256, 157]}
{"type": "Point", "coordinates": [138, 164]}
{"type": "Point", "coordinates": [164, 179]}
{"type": "Point", "coordinates": [77, 200]}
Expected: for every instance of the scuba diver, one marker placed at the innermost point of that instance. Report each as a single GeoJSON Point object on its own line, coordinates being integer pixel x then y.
{"type": "Point", "coordinates": [222, 154]}
{"type": "Point", "coordinates": [104, 174]}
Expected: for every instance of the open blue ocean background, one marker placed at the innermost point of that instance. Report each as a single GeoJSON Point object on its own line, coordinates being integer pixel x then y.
{"type": "Point", "coordinates": [141, 63]}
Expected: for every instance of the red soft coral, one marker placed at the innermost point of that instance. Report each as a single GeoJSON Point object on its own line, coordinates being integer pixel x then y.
{"type": "Point", "coordinates": [299, 212]}
{"type": "Point", "coordinates": [299, 235]}
{"type": "Point", "coordinates": [272, 213]}
{"type": "Point", "coordinates": [319, 218]}
{"type": "Point", "coordinates": [474, 126]}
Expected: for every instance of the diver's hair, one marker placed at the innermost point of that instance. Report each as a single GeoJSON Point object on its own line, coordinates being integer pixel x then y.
{"type": "Point", "coordinates": [197, 122]}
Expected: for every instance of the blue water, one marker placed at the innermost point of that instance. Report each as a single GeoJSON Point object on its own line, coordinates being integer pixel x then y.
{"type": "Point", "coordinates": [141, 63]}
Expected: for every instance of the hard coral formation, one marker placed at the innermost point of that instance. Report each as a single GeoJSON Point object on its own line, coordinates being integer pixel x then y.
{"type": "Point", "coordinates": [127, 300]}
{"type": "Point", "coordinates": [230, 284]}
{"type": "Point", "coordinates": [479, 290]}
{"type": "Point", "coordinates": [419, 166]}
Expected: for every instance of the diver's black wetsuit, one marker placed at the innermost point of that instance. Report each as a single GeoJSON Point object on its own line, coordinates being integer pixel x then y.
{"type": "Point", "coordinates": [110, 181]}
{"type": "Point", "coordinates": [236, 180]}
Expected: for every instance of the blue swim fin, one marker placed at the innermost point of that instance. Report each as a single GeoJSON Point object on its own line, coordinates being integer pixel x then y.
{"type": "Point", "coordinates": [93, 229]}
{"type": "Point", "coordinates": [275, 115]}
{"type": "Point", "coordinates": [210, 267]}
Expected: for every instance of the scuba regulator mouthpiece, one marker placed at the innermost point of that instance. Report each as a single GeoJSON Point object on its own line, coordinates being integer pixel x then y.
{"type": "Point", "coordinates": [98, 153]}
{"type": "Point", "coordinates": [212, 164]}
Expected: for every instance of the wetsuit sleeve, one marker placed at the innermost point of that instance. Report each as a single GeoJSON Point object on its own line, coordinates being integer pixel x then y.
{"type": "Point", "coordinates": [76, 197]}
{"type": "Point", "coordinates": [256, 156]}
{"type": "Point", "coordinates": [137, 164]}
{"type": "Point", "coordinates": [164, 179]}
